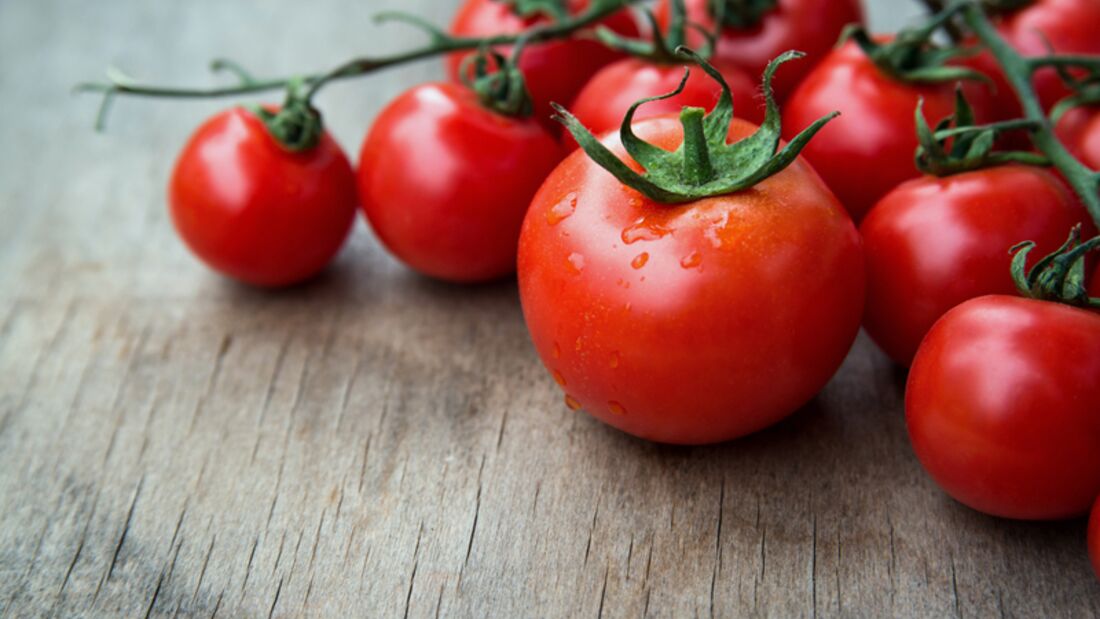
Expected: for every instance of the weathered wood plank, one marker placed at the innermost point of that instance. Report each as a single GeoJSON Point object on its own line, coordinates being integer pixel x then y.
{"type": "Point", "coordinates": [376, 444]}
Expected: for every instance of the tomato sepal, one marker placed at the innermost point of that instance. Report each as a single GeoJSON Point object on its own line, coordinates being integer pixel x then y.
{"type": "Point", "coordinates": [1058, 277]}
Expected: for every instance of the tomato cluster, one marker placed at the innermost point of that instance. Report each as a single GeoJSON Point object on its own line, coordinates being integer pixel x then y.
{"type": "Point", "coordinates": [694, 265]}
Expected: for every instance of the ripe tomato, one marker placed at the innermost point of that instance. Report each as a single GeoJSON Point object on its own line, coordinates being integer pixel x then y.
{"type": "Point", "coordinates": [556, 70]}
{"type": "Point", "coordinates": [810, 26]}
{"type": "Point", "coordinates": [1079, 130]}
{"type": "Point", "coordinates": [691, 323]}
{"type": "Point", "coordinates": [933, 243]}
{"type": "Point", "coordinates": [1002, 407]}
{"type": "Point", "coordinates": [445, 182]}
{"type": "Point", "coordinates": [868, 150]}
{"type": "Point", "coordinates": [1094, 538]}
{"type": "Point", "coordinates": [255, 211]}
{"type": "Point", "coordinates": [1066, 26]}
{"type": "Point", "coordinates": [601, 105]}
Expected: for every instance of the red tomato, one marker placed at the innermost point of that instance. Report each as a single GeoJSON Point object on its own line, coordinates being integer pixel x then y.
{"type": "Point", "coordinates": [445, 182]}
{"type": "Point", "coordinates": [1066, 26]}
{"type": "Point", "coordinates": [692, 323]}
{"type": "Point", "coordinates": [1094, 538]}
{"type": "Point", "coordinates": [555, 71]}
{"type": "Point", "coordinates": [1079, 130]}
{"type": "Point", "coordinates": [1002, 407]}
{"type": "Point", "coordinates": [810, 26]}
{"type": "Point", "coordinates": [933, 243]}
{"type": "Point", "coordinates": [868, 150]}
{"type": "Point", "coordinates": [256, 212]}
{"type": "Point", "coordinates": [603, 103]}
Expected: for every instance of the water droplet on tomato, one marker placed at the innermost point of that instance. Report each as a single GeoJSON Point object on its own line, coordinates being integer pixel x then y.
{"type": "Point", "coordinates": [692, 260]}
{"type": "Point", "coordinates": [640, 260]}
{"type": "Point", "coordinates": [614, 363]}
{"type": "Point", "coordinates": [557, 351]}
{"type": "Point", "coordinates": [616, 408]}
{"type": "Point", "coordinates": [558, 378]}
{"type": "Point", "coordinates": [642, 230]}
{"type": "Point", "coordinates": [562, 210]}
{"type": "Point", "coordinates": [578, 345]}
{"type": "Point", "coordinates": [576, 262]}
{"type": "Point", "coordinates": [572, 403]}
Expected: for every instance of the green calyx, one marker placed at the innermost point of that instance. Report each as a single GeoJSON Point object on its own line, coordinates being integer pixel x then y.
{"type": "Point", "coordinates": [704, 165]}
{"type": "Point", "coordinates": [958, 145]}
{"type": "Point", "coordinates": [740, 14]}
{"type": "Point", "coordinates": [913, 56]}
{"type": "Point", "coordinates": [498, 82]}
{"type": "Point", "coordinates": [1059, 277]}
{"type": "Point", "coordinates": [556, 10]}
{"type": "Point", "coordinates": [297, 126]}
{"type": "Point", "coordinates": [660, 48]}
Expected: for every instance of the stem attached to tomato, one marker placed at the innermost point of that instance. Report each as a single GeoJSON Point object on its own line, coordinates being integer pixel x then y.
{"type": "Point", "coordinates": [119, 84]}
{"type": "Point", "coordinates": [660, 47]}
{"type": "Point", "coordinates": [1059, 276]}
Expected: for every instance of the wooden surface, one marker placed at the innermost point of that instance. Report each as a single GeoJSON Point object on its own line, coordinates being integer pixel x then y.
{"type": "Point", "coordinates": [375, 444]}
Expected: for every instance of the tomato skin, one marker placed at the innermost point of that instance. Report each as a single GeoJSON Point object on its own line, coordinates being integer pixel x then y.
{"type": "Point", "coordinates": [603, 103]}
{"type": "Point", "coordinates": [1001, 407]}
{"type": "Point", "coordinates": [810, 26]}
{"type": "Point", "coordinates": [256, 212]}
{"type": "Point", "coordinates": [869, 149]}
{"type": "Point", "coordinates": [666, 321]}
{"type": "Point", "coordinates": [1079, 130]}
{"type": "Point", "coordinates": [933, 243]}
{"type": "Point", "coordinates": [445, 182]}
{"type": "Point", "coordinates": [1094, 538]}
{"type": "Point", "coordinates": [556, 70]}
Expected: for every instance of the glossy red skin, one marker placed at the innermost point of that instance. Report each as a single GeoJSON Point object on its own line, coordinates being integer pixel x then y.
{"type": "Point", "coordinates": [810, 26]}
{"type": "Point", "coordinates": [869, 149]}
{"type": "Point", "coordinates": [256, 212]}
{"type": "Point", "coordinates": [555, 71]}
{"type": "Point", "coordinates": [603, 103]}
{"type": "Point", "coordinates": [1079, 130]}
{"type": "Point", "coordinates": [1094, 538]}
{"type": "Point", "coordinates": [445, 182]}
{"type": "Point", "coordinates": [933, 243]}
{"type": "Point", "coordinates": [1003, 407]}
{"type": "Point", "coordinates": [1070, 28]}
{"type": "Point", "coordinates": [744, 307]}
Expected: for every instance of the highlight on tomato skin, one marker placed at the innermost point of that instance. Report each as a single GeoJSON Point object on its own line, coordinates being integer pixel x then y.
{"type": "Point", "coordinates": [665, 321]}
{"type": "Point", "coordinates": [933, 243]}
{"type": "Point", "coordinates": [445, 182]}
{"type": "Point", "coordinates": [1001, 407]}
{"type": "Point", "coordinates": [254, 211]}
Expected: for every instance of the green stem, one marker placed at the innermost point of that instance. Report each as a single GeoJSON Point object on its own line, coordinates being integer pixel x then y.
{"type": "Point", "coordinates": [441, 43]}
{"type": "Point", "coordinates": [1019, 70]}
{"type": "Point", "coordinates": [698, 168]}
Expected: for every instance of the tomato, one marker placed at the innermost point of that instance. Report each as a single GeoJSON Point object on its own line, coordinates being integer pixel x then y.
{"type": "Point", "coordinates": [1002, 407]}
{"type": "Point", "coordinates": [691, 323]}
{"type": "Point", "coordinates": [1094, 538]}
{"type": "Point", "coordinates": [810, 26]}
{"type": "Point", "coordinates": [1094, 286]}
{"type": "Point", "coordinates": [868, 150]}
{"type": "Point", "coordinates": [445, 182]}
{"type": "Point", "coordinates": [1064, 26]}
{"type": "Point", "coordinates": [255, 211]}
{"type": "Point", "coordinates": [601, 105]}
{"type": "Point", "coordinates": [1079, 130]}
{"type": "Point", "coordinates": [556, 70]}
{"type": "Point", "coordinates": [933, 243]}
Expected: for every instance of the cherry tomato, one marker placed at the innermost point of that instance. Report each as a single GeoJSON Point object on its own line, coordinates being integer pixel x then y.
{"type": "Point", "coordinates": [1064, 26]}
{"type": "Point", "coordinates": [557, 70]}
{"type": "Point", "coordinates": [1079, 130]}
{"type": "Point", "coordinates": [868, 150]}
{"type": "Point", "coordinates": [692, 323]}
{"type": "Point", "coordinates": [933, 243]}
{"type": "Point", "coordinates": [603, 103]}
{"type": "Point", "coordinates": [445, 182]}
{"type": "Point", "coordinates": [1094, 538]}
{"type": "Point", "coordinates": [1002, 407]}
{"type": "Point", "coordinates": [810, 26]}
{"type": "Point", "coordinates": [255, 211]}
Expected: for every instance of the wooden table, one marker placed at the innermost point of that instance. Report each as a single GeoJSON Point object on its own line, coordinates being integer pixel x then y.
{"type": "Point", "coordinates": [376, 444]}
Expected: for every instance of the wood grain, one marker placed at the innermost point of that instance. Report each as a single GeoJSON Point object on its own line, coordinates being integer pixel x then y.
{"type": "Point", "coordinates": [375, 444]}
